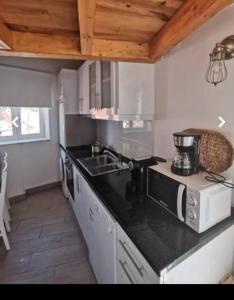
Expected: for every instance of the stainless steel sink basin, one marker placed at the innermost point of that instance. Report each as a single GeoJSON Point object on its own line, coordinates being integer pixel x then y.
{"type": "Point", "coordinates": [102, 164]}
{"type": "Point", "coordinates": [96, 161]}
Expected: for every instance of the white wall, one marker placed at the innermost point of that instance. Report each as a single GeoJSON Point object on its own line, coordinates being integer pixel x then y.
{"type": "Point", "coordinates": [133, 143]}
{"type": "Point", "coordinates": [183, 97]}
{"type": "Point", "coordinates": [35, 164]}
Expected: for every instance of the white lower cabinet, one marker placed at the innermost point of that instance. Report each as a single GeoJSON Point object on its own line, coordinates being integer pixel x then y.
{"type": "Point", "coordinates": [80, 204]}
{"type": "Point", "coordinates": [115, 259]}
{"type": "Point", "coordinates": [132, 268]}
{"type": "Point", "coordinates": [208, 265]}
{"type": "Point", "coordinates": [102, 241]}
{"type": "Point", "coordinates": [98, 228]}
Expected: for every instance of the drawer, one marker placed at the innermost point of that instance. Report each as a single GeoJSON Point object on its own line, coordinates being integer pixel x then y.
{"type": "Point", "coordinates": [131, 262]}
{"type": "Point", "coordinates": [125, 275]}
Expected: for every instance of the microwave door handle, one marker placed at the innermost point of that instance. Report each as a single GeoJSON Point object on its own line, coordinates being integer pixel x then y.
{"type": "Point", "coordinates": [180, 202]}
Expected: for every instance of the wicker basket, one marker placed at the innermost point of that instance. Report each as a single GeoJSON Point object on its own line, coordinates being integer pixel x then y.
{"type": "Point", "coordinates": [216, 152]}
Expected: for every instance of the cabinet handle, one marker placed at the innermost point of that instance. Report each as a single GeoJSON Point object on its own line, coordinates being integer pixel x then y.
{"type": "Point", "coordinates": [80, 104]}
{"type": "Point", "coordinates": [95, 105]}
{"type": "Point", "coordinates": [77, 184]}
{"type": "Point", "coordinates": [139, 269]}
{"type": "Point", "coordinates": [123, 265]}
{"type": "Point", "coordinates": [91, 215]}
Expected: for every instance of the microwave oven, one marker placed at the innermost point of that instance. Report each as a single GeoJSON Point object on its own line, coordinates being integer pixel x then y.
{"type": "Point", "coordinates": [193, 200]}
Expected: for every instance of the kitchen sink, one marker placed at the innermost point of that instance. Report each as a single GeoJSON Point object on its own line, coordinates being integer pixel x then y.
{"type": "Point", "coordinates": [96, 161]}
{"type": "Point", "coordinates": [102, 164]}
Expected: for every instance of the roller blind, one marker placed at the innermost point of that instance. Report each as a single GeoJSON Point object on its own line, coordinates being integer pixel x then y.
{"type": "Point", "coordinates": [25, 88]}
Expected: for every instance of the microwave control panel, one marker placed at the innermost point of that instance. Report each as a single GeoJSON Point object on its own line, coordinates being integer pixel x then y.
{"type": "Point", "coordinates": [192, 209]}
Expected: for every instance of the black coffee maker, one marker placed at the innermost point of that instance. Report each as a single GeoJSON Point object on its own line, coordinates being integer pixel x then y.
{"type": "Point", "coordinates": [186, 160]}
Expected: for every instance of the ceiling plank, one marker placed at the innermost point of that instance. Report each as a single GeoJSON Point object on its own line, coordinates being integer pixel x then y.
{"type": "Point", "coordinates": [121, 50]}
{"type": "Point", "coordinates": [141, 8]}
{"type": "Point", "coordinates": [190, 16]}
{"type": "Point", "coordinates": [86, 13]}
{"type": "Point", "coordinates": [5, 36]}
{"type": "Point", "coordinates": [27, 44]}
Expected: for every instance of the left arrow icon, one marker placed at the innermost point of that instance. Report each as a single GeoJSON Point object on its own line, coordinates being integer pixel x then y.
{"type": "Point", "coordinates": [14, 122]}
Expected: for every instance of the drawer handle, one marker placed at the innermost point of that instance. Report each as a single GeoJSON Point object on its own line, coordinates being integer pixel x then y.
{"type": "Point", "coordinates": [123, 265]}
{"type": "Point", "coordinates": [77, 184]}
{"type": "Point", "coordinates": [139, 269]}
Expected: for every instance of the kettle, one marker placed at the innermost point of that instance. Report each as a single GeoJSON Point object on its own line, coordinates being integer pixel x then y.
{"type": "Point", "coordinates": [97, 148]}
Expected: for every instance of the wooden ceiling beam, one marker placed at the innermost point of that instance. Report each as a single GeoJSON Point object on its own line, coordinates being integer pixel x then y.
{"type": "Point", "coordinates": [27, 44]}
{"type": "Point", "coordinates": [86, 13]}
{"type": "Point", "coordinates": [190, 16]}
{"type": "Point", "coordinates": [5, 36]}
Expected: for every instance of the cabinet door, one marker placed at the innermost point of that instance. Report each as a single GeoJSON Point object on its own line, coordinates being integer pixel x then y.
{"type": "Point", "coordinates": [209, 265]}
{"type": "Point", "coordinates": [92, 85]}
{"type": "Point", "coordinates": [62, 136]}
{"type": "Point", "coordinates": [80, 89]}
{"type": "Point", "coordinates": [135, 88]}
{"type": "Point", "coordinates": [83, 81]}
{"type": "Point", "coordinates": [98, 86]}
{"type": "Point", "coordinates": [80, 205]}
{"type": "Point", "coordinates": [103, 250]}
{"type": "Point", "coordinates": [124, 273]}
{"type": "Point", "coordinates": [132, 263]}
{"type": "Point", "coordinates": [85, 89]}
{"type": "Point", "coordinates": [106, 84]}
{"type": "Point", "coordinates": [60, 86]}
{"type": "Point", "coordinates": [78, 201]}
{"type": "Point", "coordinates": [69, 90]}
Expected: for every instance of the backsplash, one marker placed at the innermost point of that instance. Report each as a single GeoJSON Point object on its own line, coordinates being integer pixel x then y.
{"type": "Point", "coordinates": [134, 139]}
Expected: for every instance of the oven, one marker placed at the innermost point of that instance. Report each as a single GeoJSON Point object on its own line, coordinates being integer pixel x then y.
{"type": "Point", "coordinates": [69, 176]}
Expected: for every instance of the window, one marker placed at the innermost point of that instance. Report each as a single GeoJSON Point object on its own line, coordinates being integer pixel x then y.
{"type": "Point", "coordinates": [19, 124]}
{"type": "Point", "coordinates": [133, 124]}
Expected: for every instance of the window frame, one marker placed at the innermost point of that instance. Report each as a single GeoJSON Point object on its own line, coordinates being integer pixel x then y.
{"type": "Point", "coordinates": [132, 129]}
{"type": "Point", "coordinates": [18, 137]}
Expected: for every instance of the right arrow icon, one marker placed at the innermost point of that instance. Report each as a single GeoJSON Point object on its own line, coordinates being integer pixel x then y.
{"type": "Point", "coordinates": [222, 122]}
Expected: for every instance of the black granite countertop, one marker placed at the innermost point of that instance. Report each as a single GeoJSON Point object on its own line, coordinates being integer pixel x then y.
{"type": "Point", "coordinates": [162, 239]}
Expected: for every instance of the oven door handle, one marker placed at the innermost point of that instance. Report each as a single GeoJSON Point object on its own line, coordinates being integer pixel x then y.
{"type": "Point", "coordinates": [62, 168]}
{"type": "Point", "coordinates": [180, 202]}
{"type": "Point", "coordinates": [68, 169]}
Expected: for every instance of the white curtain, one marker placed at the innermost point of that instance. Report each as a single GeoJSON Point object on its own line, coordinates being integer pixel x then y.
{"type": "Point", "coordinates": [25, 88]}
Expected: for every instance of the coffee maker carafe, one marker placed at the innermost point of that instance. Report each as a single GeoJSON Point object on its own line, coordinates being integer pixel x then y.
{"type": "Point", "coordinates": [186, 160]}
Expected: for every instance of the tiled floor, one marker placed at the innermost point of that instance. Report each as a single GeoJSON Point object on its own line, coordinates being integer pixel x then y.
{"type": "Point", "coordinates": [47, 245]}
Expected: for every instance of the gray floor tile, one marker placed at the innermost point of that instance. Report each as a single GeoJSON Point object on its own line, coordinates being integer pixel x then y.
{"type": "Point", "coordinates": [45, 276]}
{"type": "Point", "coordinates": [36, 245]}
{"type": "Point", "coordinates": [56, 257]}
{"type": "Point", "coordinates": [47, 245]}
{"type": "Point", "coordinates": [73, 238]}
{"type": "Point", "coordinates": [24, 234]}
{"type": "Point", "coordinates": [59, 228]}
{"type": "Point", "coordinates": [12, 264]}
{"type": "Point", "coordinates": [44, 220]}
{"type": "Point", "coordinates": [79, 272]}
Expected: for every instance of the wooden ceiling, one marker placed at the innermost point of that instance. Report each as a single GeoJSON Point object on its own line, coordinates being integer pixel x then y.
{"type": "Point", "coordinates": [134, 30]}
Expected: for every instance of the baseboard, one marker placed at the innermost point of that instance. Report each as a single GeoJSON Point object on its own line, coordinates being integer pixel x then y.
{"type": "Point", "coordinates": [17, 198]}
{"type": "Point", "coordinates": [42, 188]}
{"type": "Point", "coordinates": [34, 190]}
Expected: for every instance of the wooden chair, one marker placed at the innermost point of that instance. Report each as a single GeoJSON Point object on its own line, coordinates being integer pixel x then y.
{"type": "Point", "coordinates": [4, 220]}
{"type": "Point", "coordinates": [4, 158]}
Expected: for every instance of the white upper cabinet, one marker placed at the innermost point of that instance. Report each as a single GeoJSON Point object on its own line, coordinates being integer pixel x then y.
{"type": "Point", "coordinates": [101, 86]}
{"type": "Point", "coordinates": [134, 91]}
{"type": "Point", "coordinates": [120, 90]}
{"type": "Point", "coordinates": [117, 90]}
{"type": "Point", "coordinates": [68, 90]}
{"type": "Point", "coordinates": [83, 88]}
